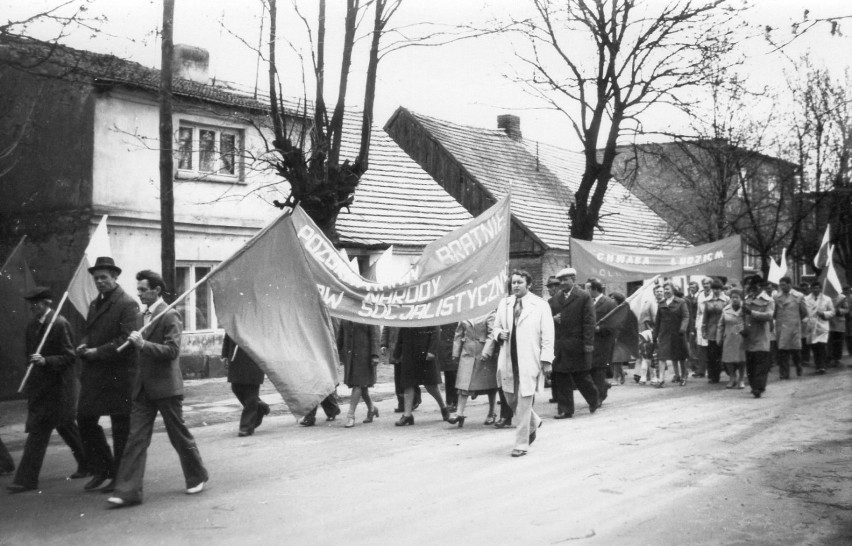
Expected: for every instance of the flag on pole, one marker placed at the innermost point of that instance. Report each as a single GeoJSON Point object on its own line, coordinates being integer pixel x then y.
{"type": "Point", "coordinates": [15, 280]}
{"type": "Point", "coordinates": [626, 318]}
{"type": "Point", "coordinates": [81, 289]}
{"type": "Point", "coordinates": [783, 264]}
{"type": "Point", "coordinates": [831, 285]}
{"type": "Point", "coordinates": [774, 271]}
{"type": "Point", "coordinates": [267, 301]}
{"type": "Point", "coordinates": [821, 257]}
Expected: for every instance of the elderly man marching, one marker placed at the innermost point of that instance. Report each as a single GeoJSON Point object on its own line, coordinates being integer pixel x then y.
{"type": "Point", "coordinates": [524, 327]}
{"type": "Point", "coordinates": [107, 374]}
{"type": "Point", "coordinates": [51, 391]}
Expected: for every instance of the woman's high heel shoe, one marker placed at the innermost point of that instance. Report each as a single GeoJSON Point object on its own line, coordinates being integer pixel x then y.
{"type": "Point", "coordinates": [370, 414]}
{"type": "Point", "coordinates": [491, 419]}
{"type": "Point", "coordinates": [405, 420]}
{"type": "Point", "coordinates": [457, 419]}
{"type": "Point", "coordinates": [350, 421]}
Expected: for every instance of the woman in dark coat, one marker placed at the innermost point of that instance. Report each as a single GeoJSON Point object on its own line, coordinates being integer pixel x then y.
{"type": "Point", "coordinates": [358, 346]}
{"type": "Point", "coordinates": [245, 378]}
{"type": "Point", "coordinates": [416, 349]}
{"type": "Point", "coordinates": [670, 333]}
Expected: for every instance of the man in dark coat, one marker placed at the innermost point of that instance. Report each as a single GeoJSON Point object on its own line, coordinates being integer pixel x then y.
{"type": "Point", "coordinates": [51, 391]}
{"type": "Point", "coordinates": [106, 377]}
{"type": "Point", "coordinates": [554, 299]}
{"type": "Point", "coordinates": [157, 388]}
{"type": "Point", "coordinates": [604, 336]}
{"type": "Point", "coordinates": [574, 347]}
{"type": "Point", "coordinates": [245, 378]}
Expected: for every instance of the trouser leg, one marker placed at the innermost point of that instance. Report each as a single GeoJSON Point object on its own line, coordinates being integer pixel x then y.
{"type": "Point", "coordinates": [249, 397]}
{"type": "Point", "coordinates": [757, 368]}
{"type": "Point", "coordinates": [452, 396]}
{"type": "Point", "coordinates": [564, 392]}
{"type": "Point", "coordinates": [33, 457]}
{"type": "Point", "coordinates": [98, 453]}
{"type": "Point", "coordinates": [182, 440]}
{"type": "Point", "coordinates": [835, 340]}
{"type": "Point", "coordinates": [784, 363]}
{"type": "Point", "coordinates": [120, 433]}
{"type": "Point", "coordinates": [526, 419]}
{"type": "Point", "coordinates": [131, 472]}
{"type": "Point", "coordinates": [505, 408]}
{"type": "Point", "coordinates": [6, 462]}
{"type": "Point", "coordinates": [819, 355]}
{"type": "Point", "coordinates": [601, 384]}
{"type": "Point", "coordinates": [70, 433]}
{"type": "Point", "coordinates": [701, 369]}
{"type": "Point", "coordinates": [714, 361]}
{"type": "Point", "coordinates": [584, 383]}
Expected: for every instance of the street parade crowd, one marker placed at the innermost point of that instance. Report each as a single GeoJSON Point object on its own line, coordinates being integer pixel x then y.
{"type": "Point", "coordinates": [130, 369]}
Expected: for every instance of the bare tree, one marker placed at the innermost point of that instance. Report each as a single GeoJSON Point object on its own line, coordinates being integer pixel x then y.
{"type": "Point", "coordinates": [320, 181]}
{"type": "Point", "coordinates": [780, 38]}
{"type": "Point", "coordinates": [603, 63]}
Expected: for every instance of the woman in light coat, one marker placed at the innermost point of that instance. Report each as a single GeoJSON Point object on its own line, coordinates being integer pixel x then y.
{"type": "Point", "coordinates": [526, 350]}
{"type": "Point", "coordinates": [476, 375]}
{"type": "Point", "coordinates": [729, 336]}
{"type": "Point", "coordinates": [820, 310]}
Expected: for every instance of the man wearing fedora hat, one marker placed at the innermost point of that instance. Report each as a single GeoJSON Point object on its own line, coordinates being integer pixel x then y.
{"type": "Point", "coordinates": [107, 374]}
{"type": "Point", "coordinates": [51, 391]}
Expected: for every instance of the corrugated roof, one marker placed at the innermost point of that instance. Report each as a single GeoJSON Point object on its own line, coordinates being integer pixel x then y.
{"type": "Point", "coordinates": [396, 203]}
{"type": "Point", "coordinates": [544, 179]}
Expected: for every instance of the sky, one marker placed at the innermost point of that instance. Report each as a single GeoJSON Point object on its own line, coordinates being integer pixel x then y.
{"type": "Point", "coordinates": [468, 82]}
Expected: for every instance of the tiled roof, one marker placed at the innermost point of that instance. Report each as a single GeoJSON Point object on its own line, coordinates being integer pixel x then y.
{"type": "Point", "coordinates": [544, 179]}
{"type": "Point", "coordinates": [396, 203]}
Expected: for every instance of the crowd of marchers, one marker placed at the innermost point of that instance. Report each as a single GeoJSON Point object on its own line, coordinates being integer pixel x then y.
{"type": "Point", "coordinates": [130, 368]}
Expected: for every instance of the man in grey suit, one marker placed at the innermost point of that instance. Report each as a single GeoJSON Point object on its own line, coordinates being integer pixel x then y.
{"type": "Point", "coordinates": [158, 387]}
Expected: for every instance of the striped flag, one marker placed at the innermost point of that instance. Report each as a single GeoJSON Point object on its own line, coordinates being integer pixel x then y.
{"type": "Point", "coordinates": [821, 258]}
{"type": "Point", "coordinates": [81, 289]}
{"type": "Point", "coordinates": [831, 285]}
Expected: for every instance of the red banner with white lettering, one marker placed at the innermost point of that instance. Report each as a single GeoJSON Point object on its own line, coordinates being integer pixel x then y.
{"type": "Point", "coordinates": [460, 276]}
{"type": "Point", "coordinates": [722, 258]}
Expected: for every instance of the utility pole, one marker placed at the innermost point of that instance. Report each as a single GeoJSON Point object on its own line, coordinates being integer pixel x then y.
{"type": "Point", "coordinates": [167, 198]}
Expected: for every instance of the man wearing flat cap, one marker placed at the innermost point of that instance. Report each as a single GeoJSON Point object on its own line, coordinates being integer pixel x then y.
{"type": "Point", "coordinates": [107, 374]}
{"type": "Point", "coordinates": [51, 390]}
{"type": "Point", "coordinates": [574, 347]}
{"type": "Point", "coordinates": [555, 299]}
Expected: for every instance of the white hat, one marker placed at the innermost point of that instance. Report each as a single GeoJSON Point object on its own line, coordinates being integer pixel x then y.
{"type": "Point", "coordinates": [567, 272]}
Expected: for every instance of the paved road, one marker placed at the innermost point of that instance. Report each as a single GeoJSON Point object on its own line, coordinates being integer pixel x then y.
{"type": "Point", "coordinates": [679, 465]}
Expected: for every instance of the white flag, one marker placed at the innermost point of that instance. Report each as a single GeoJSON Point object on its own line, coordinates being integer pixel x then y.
{"type": "Point", "coordinates": [81, 289]}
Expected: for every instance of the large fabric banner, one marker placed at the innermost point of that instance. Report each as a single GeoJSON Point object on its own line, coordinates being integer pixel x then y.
{"type": "Point", "coordinates": [460, 276]}
{"type": "Point", "coordinates": [614, 263]}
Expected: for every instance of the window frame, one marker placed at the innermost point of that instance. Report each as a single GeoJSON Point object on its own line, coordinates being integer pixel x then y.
{"type": "Point", "coordinates": [190, 303]}
{"type": "Point", "coordinates": [196, 154]}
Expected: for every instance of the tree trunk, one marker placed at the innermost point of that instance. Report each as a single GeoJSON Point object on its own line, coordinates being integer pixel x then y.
{"type": "Point", "coordinates": [167, 199]}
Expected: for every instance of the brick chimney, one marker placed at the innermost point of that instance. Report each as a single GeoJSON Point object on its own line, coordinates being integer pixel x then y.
{"type": "Point", "coordinates": [191, 63]}
{"type": "Point", "coordinates": [511, 124]}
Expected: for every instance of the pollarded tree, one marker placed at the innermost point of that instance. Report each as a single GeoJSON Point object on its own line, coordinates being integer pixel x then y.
{"type": "Point", "coordinates": [321, 181]}
{"type": "Point", "coordinates": [604, 63]}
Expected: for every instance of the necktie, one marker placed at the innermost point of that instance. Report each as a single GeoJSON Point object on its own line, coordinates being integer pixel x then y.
{"type": "Point", "coordinates": [146, 318]}
{"type": "Point", "coordinates": [519, 306]}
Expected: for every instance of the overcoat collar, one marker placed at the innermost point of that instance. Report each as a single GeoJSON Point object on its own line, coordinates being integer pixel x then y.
{"type": "Point", "coordinates": [93, 306]}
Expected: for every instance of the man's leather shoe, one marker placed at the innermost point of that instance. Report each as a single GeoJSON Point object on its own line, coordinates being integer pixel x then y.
{"type": "Point", "coordinates": [118, 502]}
{"type": "Point", "coordinates": [97, 481]}
{"type": "Point", "coordinates": [595, 408]}
{"type": "Point", "coordinates": [333, 416]}
{"type": "Point", "coordinates": [563, 416]}
{"type": "Point", "coordinates": [503, 423]}
{"type": "Point", "coordinates": [196, 488]}
{"type": "Point", "coordinates": [79, 474]}
{"type": "Point", "coordinates": [308, 421]}
{"type": "Point", "coordinates": [18, 488]}
{"type": "Point", "coordinates": [108, 488]}
{"type": "Point", "coordinates": [518, 453]}
{"type": "Point", "coordinates": [245, 432]}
